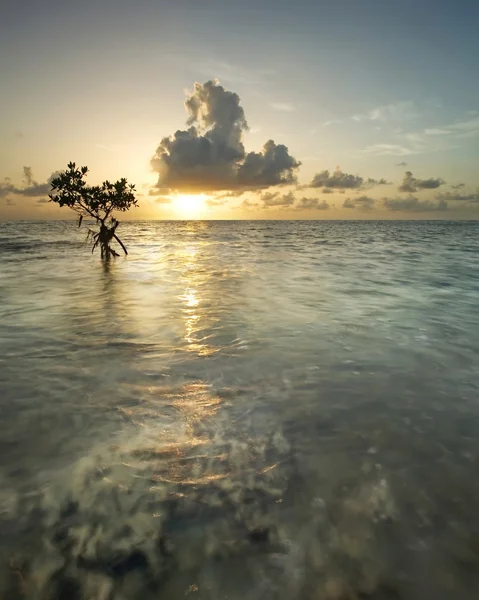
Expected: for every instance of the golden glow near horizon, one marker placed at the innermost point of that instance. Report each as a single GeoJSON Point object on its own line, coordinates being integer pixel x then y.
{"type": "Point", "coordinates": [189, 205]}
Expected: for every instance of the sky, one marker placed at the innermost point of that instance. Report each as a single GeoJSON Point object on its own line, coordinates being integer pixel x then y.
{"type": "Point", "coordinates": [272, 109]}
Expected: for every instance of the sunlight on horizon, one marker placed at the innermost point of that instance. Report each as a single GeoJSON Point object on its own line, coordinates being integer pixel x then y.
{"type": "Point", "coordinates": [189, 205]}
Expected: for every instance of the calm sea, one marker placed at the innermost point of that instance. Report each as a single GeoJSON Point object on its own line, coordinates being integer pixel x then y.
{"type": "Point", "coordinates": [241, 410]}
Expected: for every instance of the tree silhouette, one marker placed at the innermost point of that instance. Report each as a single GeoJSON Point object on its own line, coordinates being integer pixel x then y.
{"type": "Point", "coordinates": [96, 202]}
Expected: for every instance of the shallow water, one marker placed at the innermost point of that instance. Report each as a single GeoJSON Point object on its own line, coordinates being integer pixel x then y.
{"type": "Point", "coordinates": [241, 410]}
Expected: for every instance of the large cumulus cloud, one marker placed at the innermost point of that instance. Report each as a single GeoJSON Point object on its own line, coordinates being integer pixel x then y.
{"type": "Point", "coordinates": [412, 184]}
{"type": "Point", "coordinates": [210, 156]}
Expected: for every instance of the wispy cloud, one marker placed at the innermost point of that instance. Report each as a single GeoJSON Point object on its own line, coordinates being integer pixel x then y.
{"type": "Point", "coordinates": [230, 72]}
{"type": "Point", "coordinates": [429, 139]}
{"type": "Point", "coordinates": [399, 111]}
{"type": "Point", "coordinates": [282, 106]}
{"type": "Point", "coordinates": [332, 122]}
{"type": "Point", "coordinates": [390, 150]}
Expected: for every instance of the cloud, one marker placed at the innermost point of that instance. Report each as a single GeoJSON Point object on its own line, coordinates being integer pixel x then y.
{"type": "Point", "coordinates": [413, 204]}
{"type": "Point", "coordinates": [213, 202]}
{"type": "Point", "coordinates": [233, 194]}
{"type": "Point", "coordinates": [431, 139]}
{"type": "Point", "coordinates": [400, 111]}
{"type": "Point", "coordinates": [9, 202]}
{"type": "Point", "coordinates": [248, 205]}
{"type": "Point", "coordinates": [282, 106]}
{"type": "Point", "coordinates": [311, 204]}
{"type": "Point", "coordinates": [222, 198]}
{"type": "Point", "coordinates": [458, 186]}
{"type": "Point", "coordinates": [361, 203]}
{"type": "Point", "coordinates": [231, 72]}
{"type": "Point", "coordinates": [274, 199]}
{"type": "Point", "coordinates": [163, 200]}
{"type": "Point", "coordinates": [273, 166]}
{"type": "Point", "coordinates": [327, 191]}
{"type": "Point", "coordinates": [210, 154]}
{"type": "Point", "coordinates": [458, 197]}
{"type": "Point", "coordinates": [390, 150]}
{"type": "Point", "coordinates": [436, 131]}
{"type": "Point", "coordinates": [342, 181]}
{"type": "Point", "coordinates": [30, 189]}
{"type": "Point", "coordinates": [43, 201]}
{"type": "Point", "coordinates": [402, 164]}
{"type": "Point", "coordinates": [332, 122]}
{"type": "Point", "coordinates": [464, 129]}
{"type": "Point", "coordinates": [412, 184]}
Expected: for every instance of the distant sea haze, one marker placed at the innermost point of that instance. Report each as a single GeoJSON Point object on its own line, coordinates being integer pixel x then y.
{"type": "Point", "coordinates": [240, 410]}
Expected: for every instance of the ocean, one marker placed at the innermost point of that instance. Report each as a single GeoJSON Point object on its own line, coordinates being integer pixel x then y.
{"type": "Point", "coordinates": [245, 410]}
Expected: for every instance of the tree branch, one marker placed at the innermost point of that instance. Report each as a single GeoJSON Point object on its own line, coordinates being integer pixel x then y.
{"type": "Point", "coordinates": [120, 242]}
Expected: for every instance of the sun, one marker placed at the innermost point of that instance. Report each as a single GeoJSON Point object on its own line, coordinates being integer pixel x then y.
{"type": "Point", "coordinates": [189, 205]}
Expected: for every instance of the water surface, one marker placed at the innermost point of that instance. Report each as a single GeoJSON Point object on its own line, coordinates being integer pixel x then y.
{"type": "Point", "coordinates": [241, 410]}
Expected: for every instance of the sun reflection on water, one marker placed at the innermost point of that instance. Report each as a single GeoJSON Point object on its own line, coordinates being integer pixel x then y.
{"type": "Point", "coordinates": [194, 309]}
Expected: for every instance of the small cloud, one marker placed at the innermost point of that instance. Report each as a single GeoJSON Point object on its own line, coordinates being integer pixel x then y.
{"type": "Point", "coordinates": [274, 199]}
{"type": "Point", "coordinates": [213, 202]}
{"type": "Point", "coordinates": [311, 204]}
{"type": "Point", "coordinates": [412, 184]}
{"type": "Point", "coordinates": [30, 189]}
{"type": "Point", "coordinates": [400, 111]}
{"type": "Point", "coordinates": [332, 122]}
{"type": "Point", "coordinates": [402, 164]}
{"type": "Point", "coordinates": [163, 199]}
{"type": "Point", "coordinates": [390, 150]}
{"type": "Point", "coordinates": [458, 197]}
{"type": "Point", "coordinates": [436, 131]}
{"type": "Point", "coordinates": [228, 195]}
{"type": "Point", "coordinates": [282, 106]}
{"type": "Point", "coordinates": [327, 191]}
{"type": "Point", "coordinates": [413, 204]}
{"type": "Point", "coordinates": [43, 201]}
{"type": "Point", "coordinates": [248, 205]}
{"type": "Point", "coordinates": [458, 186]}
{"type": "Point", "coordinates": [9, 202]}
{"type": "Point", "coordinates": [360, 203]}
{"type": "Point", "coordinates": [343, 181]}
{"type": "Point", "coordinates": [372, 182]}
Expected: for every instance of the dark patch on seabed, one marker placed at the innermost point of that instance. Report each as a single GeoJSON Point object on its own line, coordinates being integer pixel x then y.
{"type": "Point", "coordinates": [235, 520]}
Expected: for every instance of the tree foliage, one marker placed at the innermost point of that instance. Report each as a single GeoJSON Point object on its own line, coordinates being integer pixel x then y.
{"type": "Point", "coordinates": [94, 202]}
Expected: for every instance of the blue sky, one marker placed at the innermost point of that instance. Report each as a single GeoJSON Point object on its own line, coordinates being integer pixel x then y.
{"type": "Point", "coordinates": [363, 85]}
